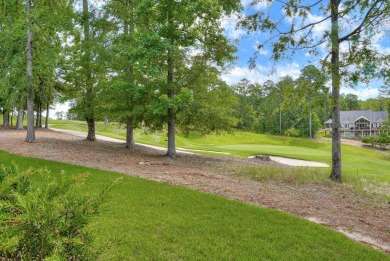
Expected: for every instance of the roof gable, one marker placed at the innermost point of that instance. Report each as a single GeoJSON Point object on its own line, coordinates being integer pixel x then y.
{"type": "Point", "coordinates": [372, 116]}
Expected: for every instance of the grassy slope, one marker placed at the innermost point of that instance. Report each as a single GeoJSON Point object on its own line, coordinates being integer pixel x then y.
{"type": "Point", "coordinates": [362, 161]}
{"type": "Point", "coordinates": [150, 220]}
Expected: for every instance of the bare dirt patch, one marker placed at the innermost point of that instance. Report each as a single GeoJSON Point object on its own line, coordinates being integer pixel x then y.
{"type": "Point", "coordinates": [365, 219]}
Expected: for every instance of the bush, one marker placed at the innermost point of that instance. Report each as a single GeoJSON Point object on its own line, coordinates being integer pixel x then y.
{"type": "Point", "coordinates": [373, 140]}
{"type": "Point", "coordinates": [292, 133]}
{"type": "Point", "coordinates": [46, 221]}
{"type": "Point", "coordinates": [383, 140]}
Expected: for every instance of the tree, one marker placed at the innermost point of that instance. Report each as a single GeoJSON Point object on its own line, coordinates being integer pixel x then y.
{"type": "Point", "coordinates": [30, 77]}
{"type": "Point", "coordinates": [88, 98]}
{"type": "Point", "coordinates": [128, 93]}
{"type": "Point", "coordinates": [13, 57]}
{"type": "Point", "coordinates": [349, 102]}
{"type": "Point", "coordinates": [84, 63]}
{"type": "Point", "coordinates": [348, 23]}
{"type": "Point", "coordinates": [37, 23]}
{"type": "Point", "coordinates": [310, 83]}
{"type": "Point", "coordinates": [182, 27]}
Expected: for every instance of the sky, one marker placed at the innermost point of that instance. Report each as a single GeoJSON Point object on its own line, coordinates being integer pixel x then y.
{"type": "Point", "coordinates": [266, 69]}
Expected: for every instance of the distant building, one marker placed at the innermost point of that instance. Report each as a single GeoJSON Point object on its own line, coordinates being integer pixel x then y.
{"type": "Point", "coordinates": [360, 123]}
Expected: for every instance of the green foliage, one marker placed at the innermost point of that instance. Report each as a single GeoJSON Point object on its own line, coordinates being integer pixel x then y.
{"type": "Point", "coordinates": [44, 221]}
{"type": "Point", "coordinates": [274, 108]}
{"type": "Point", "coordinates": [292, 133]}
{"type": "Point", "coordinates": [349, 102]}
{"type": "Point", "coordinates": [382, 140]}
{"type": "Point", "coordinates": [373, 140]}
{"type": "Point", "coordinates": [375, 104]}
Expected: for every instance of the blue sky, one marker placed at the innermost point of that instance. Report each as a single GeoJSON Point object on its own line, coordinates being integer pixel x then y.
{"type": "Point", "coordinates": [268, 70]}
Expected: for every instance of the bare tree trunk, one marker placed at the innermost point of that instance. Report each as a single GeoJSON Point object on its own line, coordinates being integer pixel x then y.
{"type": "Point", "coordinates": [336, 125]}
{"type": "Point", "coordinates": [5, 117]}
{"type": "Point", "coordinates": [30, 91]}
{"type": "Point", "coordinates": [129, 133]}
{"type": "Point", "coordinates": [280, 120]}
{"type": "Point", "coordinates": [39, 116]}
{"type": "Point", "coordinates": [47, 116]}
{"type": "Point", "coordinates": [310, 128]}
{"type": "Point", "coordinates": [171, 112]}
{"type": "Point", "coordinates": [171, 134]}
{"type": "Point", "coordinates": [19, 124]}
{"type": "Point", "coordinates": [12, 116]}
{"type": "Point", "coordinates": [91, 129]}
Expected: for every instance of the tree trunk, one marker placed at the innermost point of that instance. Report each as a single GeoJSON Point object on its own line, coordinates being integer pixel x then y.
{"type": "Point", "coordinates": [280, 121]}
{"type": "Point", "coordinates": [129, 26]}
{"type": "Point", "coordinates": [171, 134]}
{"type": "Point", "coordinates": [30, 91]}
{"type": "Point", "coordinates": [129, 133]}
{"type": "Point", "coordinates": [5, 117]}
{"type": "Point", "coordinates": [19, 124]}
{"type": "Point", "coordinates": [171, 112]}
{"type": "Point", "coordinates": [91, 129]}
{"type": "Point", "coordinates": [89, 109]}
{"type": "Point", "coordinates": [335, 65]}
{"type": "Point", "coordinates": [310, 128]}
{"type": "Point", "coordinates": [39, 116]}
{"type": "Point", "coordinates": [47, 116]}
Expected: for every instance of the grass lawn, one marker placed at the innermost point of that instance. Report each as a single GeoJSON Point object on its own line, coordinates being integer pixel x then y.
{"type": "Point", "coordinates": [368, 163]}
{"type": "Point", "coordinates": [145, 220]}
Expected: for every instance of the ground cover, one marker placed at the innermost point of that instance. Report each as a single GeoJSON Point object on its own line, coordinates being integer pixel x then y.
{"type": "Point", "coordinates": [150, 220]}
{"type": "Point", "coordinates": [303, 192]}
{"type": "Point", "coordinates": [364, 162]}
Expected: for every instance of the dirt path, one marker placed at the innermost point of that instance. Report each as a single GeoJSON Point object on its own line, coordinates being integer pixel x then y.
{"type": "Point", "coordinates": [282, 160]}
{"type": "Point", "coordinates": [364, 219]}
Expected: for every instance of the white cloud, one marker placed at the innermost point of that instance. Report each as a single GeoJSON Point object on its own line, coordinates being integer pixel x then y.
{"type": "Point", "coordinates": [363, 94]}
{"type": "Point", "coordinates": [262, 73]}
{"type": "Point", "coordinates": [229, 24]}
{"type": "Point", "coordinates": [257, 6]}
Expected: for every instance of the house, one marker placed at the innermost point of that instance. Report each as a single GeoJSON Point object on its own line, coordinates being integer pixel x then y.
{"type": "Point", "coordinates": [360, 123]}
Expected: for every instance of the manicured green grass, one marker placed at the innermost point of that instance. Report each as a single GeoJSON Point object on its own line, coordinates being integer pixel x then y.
{"type": "Point", "coordinates": [368, 163]}
{"type": "Point", "coordinates": [145, 220]}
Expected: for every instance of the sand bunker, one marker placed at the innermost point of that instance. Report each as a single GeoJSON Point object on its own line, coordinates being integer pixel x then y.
{"type": "Point", "coordinates": [295, 162]}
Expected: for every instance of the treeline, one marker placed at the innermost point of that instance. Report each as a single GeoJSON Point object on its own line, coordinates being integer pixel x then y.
{"type": "Point", "coordinates": [289, 107]}
{"type": "Point", "coordinates": [284, 108]}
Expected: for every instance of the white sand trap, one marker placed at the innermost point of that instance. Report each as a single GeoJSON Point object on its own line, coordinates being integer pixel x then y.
{"type": "Point", "coordinates": [298, 163]}
{"type": "Point", "coordinates": [211, 151]}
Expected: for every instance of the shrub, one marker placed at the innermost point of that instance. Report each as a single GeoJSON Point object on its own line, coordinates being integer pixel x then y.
{"type": "Point", "coordinates": [373, 140]}
{"type": "Point", "coordinates": [383, 140]}
{"type": "Point", "coordinates": [45, 221]}
{"type": "Point", "coordinates": [292, 132]}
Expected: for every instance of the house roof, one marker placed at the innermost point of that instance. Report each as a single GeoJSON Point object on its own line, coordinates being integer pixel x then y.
{"type": "Point", "coordinates": [352, 116]}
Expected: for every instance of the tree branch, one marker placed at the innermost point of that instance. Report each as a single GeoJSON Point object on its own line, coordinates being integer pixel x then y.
{"type": "Point", "coordinates": [359, 28]}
